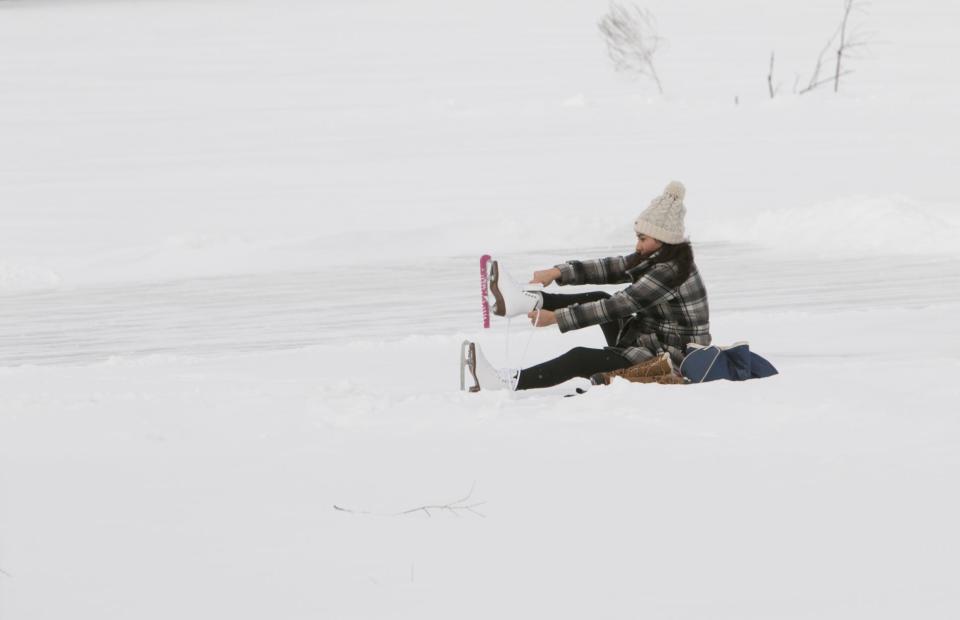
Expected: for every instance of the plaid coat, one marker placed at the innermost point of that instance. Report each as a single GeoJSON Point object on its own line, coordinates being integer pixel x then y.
{"type": "Point", "coordinates": [653, 316]}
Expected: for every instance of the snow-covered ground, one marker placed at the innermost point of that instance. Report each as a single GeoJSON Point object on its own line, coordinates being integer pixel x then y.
{"type": "Point", "coordinates": [238, 254]}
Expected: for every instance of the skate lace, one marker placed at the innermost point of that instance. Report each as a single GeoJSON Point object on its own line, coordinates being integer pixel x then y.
{"type": "Point", "coordinates": [512, 373]}
{"type": "Point", "coordinates": [526, 346]}
{"type": "Point", "coordinates": [510, 377]}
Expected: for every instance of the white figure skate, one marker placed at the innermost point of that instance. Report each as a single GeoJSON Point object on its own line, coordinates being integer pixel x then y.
{"type": "Point", "coordinates": [510, 299]}
{"type": "Point", "coordinates": [484, 376]}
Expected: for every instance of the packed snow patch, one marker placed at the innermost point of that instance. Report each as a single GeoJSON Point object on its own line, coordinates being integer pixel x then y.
{"type": "Point", "coordinates": [16, 276]}
{"type": "Point", "coordinates": [855, 226]}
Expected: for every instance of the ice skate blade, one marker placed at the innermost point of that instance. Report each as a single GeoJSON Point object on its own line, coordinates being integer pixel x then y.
{"type": "Point", "coordinates": [499, 308]}
{"type": "Point", "coordinates": [471, 363]}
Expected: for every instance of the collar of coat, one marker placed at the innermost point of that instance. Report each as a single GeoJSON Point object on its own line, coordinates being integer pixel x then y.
{"type": "Point", "coordinates": [641, 267]}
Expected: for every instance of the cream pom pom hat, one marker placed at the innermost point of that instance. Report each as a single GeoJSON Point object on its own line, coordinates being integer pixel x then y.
{"type": "Point", "coordinates": [663, 219]}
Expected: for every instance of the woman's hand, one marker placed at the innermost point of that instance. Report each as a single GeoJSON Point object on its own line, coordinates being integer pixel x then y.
{"type": "Point", "coordinates": [545, 277]}
{"type": "Point", "coordinates": [542, 318]}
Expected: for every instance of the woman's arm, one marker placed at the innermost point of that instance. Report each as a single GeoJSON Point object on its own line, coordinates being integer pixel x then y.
{"type": "Point", "coordinates": [545, 277]}
{"type": "Point", "coordinates": [650, 290]}
{"type": "Point", "coordinates": [610, 270]}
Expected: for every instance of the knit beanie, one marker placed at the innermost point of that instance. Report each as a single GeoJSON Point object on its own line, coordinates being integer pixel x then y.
{"type": "Point", "coordinates": [663, 219]}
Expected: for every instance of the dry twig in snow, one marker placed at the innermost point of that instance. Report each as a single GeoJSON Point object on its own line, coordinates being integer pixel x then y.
{"type": "Point", "coordinates": [631, 36]}
{"type": "Point", "coordinates": [462, 505]}
{"type": "Point", "coordinates": [848, 40]}
{"type": "Point", "coordinates": [770, 87]}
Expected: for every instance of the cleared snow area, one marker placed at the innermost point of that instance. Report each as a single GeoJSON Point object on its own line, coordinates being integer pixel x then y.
{"type": "Point", "coordinates": [238, 255]}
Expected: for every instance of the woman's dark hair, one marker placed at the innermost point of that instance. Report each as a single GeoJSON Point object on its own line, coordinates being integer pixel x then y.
{"type": "Point", "coordinates": [681, 254]}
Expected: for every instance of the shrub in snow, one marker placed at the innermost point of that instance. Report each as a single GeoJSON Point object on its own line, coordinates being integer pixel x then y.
{"type": "Point", "coordinates": [631, 37]}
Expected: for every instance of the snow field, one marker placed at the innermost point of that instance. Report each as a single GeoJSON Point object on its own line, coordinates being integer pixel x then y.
{"type": "Point", "coordinates": [238, 249]}
{"type": "Point", "coordinates": [800, 495]}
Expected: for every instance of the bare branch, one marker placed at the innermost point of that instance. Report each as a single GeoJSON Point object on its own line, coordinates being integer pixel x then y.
{"type": "Point", "coordinates": [773, 91]}
{"type": "Point", "coordinates": [467, 496]}
{"type": "Point", "coordinates": [356, 512]}
{"type": "Point", "coordinates": [824, 81]}
{"type": "Point", "coordinates": [815, 76]}
{"type": "Point", "coordinates": [455, 508]}
{"type": "Point", "coordinates": [631, 36]}
{"type": "Point", "coordinates": [848, 5]}
{"type": "Point", "coordinates": [846, 39]}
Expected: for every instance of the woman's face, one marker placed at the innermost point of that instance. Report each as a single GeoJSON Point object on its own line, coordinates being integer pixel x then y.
{"type": "Point", "coordinates": [647, 245]}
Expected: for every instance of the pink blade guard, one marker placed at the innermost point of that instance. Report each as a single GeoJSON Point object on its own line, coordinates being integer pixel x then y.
{"type": "Point", "coordinates": [485, 306]}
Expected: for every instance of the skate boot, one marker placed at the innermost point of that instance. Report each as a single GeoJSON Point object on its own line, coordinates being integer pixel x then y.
{"type": "Point", "coordinates": [509, 298]}
{"type": "Point", "coordinates": [654, 370]}
{"type": "Point", "coordinates": [482, 373]}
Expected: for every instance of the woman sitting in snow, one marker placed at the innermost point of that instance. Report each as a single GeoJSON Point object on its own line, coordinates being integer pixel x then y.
{"type": "Point", "coordinates": [647, 325]}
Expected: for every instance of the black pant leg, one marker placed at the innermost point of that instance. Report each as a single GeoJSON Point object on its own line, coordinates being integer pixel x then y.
{"type": "Point", "coordinates": [555, 301]}
{"type": "Point", "coordinates": [577, 362]}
